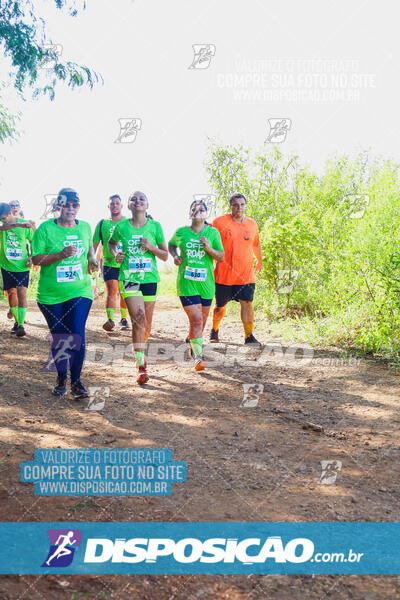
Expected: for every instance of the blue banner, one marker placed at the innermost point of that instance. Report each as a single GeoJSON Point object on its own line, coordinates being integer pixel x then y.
{"type": "Point", "coordinates": [208, 548]}
{"type": "Point", "coordinates": [103, 472]}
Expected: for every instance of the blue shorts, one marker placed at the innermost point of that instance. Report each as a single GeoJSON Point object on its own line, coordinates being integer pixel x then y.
{"type": "Point", "coordinates": [190, 300]}
{"type": "Point", "coordinates": [13, 279]}
{"type": "Point", "coordinates": [110, 273]}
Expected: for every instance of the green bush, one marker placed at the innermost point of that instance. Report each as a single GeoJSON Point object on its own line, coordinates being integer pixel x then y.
{"type": "Point", "coordinates": [329, 241]}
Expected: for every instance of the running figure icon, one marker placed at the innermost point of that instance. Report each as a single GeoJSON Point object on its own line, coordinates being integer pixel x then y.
{"type": "Point", "coordinates": [60, 346]}
{"type": "Point", "coordinates": [62, 549]}
{"type": "Point", "coordinates": [63, 545]}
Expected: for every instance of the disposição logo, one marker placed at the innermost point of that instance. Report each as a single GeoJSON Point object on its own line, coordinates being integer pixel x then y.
{"type": "Point", "coordinates": [63, 543]}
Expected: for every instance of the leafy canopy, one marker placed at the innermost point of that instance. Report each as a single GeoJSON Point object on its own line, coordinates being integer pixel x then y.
{"type": "Point", "coordinates": [32, 57]}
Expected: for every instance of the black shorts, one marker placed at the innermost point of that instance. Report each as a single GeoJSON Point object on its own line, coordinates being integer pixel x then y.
{"type": "Point", "coordinates": [226, 293]}
{"type": "Point", "coordinates": [190, 300]}
{"type": "Point", "coordinates": [131, 288]}
{"type": "Point", "coordinates": [110, 273]}
{"type": "Point", "coordinates": [13, 279]}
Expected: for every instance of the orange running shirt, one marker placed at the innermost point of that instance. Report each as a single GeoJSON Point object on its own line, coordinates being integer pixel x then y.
{"type": "Point", "coordinates": [241, 243]}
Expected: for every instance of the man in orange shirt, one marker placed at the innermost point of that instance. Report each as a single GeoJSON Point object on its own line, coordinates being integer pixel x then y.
{"type": "Point", "coordinates": [235, 278]}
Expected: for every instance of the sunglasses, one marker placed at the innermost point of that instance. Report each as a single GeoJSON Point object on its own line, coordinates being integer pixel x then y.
{"type": "Point", "coordinates": [70, 204]}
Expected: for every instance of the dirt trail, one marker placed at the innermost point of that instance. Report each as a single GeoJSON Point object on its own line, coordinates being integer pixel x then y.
{"type": "Point", "coordinates": [248, 459]}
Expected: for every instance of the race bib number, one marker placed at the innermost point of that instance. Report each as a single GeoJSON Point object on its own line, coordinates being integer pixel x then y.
{"type": "Point", "coordinates": [66, 273]}
{"type": "Point", "coordinates": [140, 265]}
{"type": "Point", "coordinates": [14, 253]}
{"type": "Point", "coordinates": [195, 274]}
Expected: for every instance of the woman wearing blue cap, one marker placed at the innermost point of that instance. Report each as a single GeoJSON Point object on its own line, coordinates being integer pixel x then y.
{"type": "Point", "coordinates": [63, 250]}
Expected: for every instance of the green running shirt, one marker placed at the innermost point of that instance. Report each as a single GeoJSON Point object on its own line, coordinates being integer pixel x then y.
{"type": "Point", "coordinates": [196, 273]}
{"type": "Point", "coordinates": [67, 278]}
{"type": "Point", "coordinates": [107, 230]}
{"type": "Point", "coordinates": [13, 252]}
{"type": "Point", "coordinates": [139, 265]}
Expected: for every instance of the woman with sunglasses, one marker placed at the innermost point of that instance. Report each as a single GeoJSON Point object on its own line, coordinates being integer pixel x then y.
{"type": "Point", "coordinates": [142, 241]}
{"type": "Point", "coordinates": [62, 247]}
{"type": "Point", "coordinates": [199, 246]}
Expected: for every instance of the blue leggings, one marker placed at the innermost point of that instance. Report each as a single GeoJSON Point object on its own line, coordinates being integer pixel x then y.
{"type": "Point", "coordinates": [67, 322]}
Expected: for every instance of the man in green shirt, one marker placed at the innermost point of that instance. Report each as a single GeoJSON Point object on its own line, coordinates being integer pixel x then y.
{"type": "Point", "coordinates": [102, 233]}
{"type": "Point", "coordinates": [15, 262]}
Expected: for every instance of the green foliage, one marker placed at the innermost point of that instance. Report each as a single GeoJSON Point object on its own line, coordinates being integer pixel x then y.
{"type": "Point", "coordinates": [338, 232]}
{"type": "Point", "coordinates": [23, 41]}
{"type": "Point", "coordinates": [8, 128]}
{"type": "Point", "coordinates": [80, 505]}
{"type": "Point", "coordinates": [167, 285]}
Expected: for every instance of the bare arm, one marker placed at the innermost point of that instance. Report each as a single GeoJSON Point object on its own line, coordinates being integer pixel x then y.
{"type": "Point", "coordinates": [257, 253]}
{"type": "Point", "coordinates": [174, 254]}
{"type": "Point", "coordinates": [217, 255]}
{"type": "Point", "coordinates": [29, 252]}
{"type": "Point", "coordinates": [160, 251]}
{"type": "Point", "coordinates": [112, 246]}
{"type": "Point", "coordinates": [7, 226]}
{"type": "Point", "coordinates": [92, 260]}
{"type": "Point", "coordinates": [43, 260]}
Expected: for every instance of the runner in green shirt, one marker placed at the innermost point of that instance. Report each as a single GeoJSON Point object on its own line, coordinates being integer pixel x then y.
{"type": "Point", "coordinates": [63, 249]}
{"type": "Point", "coordinates": [142, 241]}
{"type": "Point", "coordinates": [102, 233]}
{"type": "Point", "coordinates": [199, 246]}
{"type": "Point", "coordinates": [16, 209]}
{"type": "Point", "coordinates": [15, 262]}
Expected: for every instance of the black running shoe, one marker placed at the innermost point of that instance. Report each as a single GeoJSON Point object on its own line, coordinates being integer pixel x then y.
{"type": "Point", "coordinates": [252, 340]}
{"type": "Point", "coordinates": [190, 349]}
{"type": "Point", "coordinates": [15, 327]}
{"type": "Point", "coordinates": [20, 332]}
{"type": "Point", "coordinates": [78, 391]}
{"type": "Point", "coordinates": [214, 339]}
{"type": "Point", "coordinates": [59, 389]}
{"type": "Point", "coordinates": [124, 324]}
